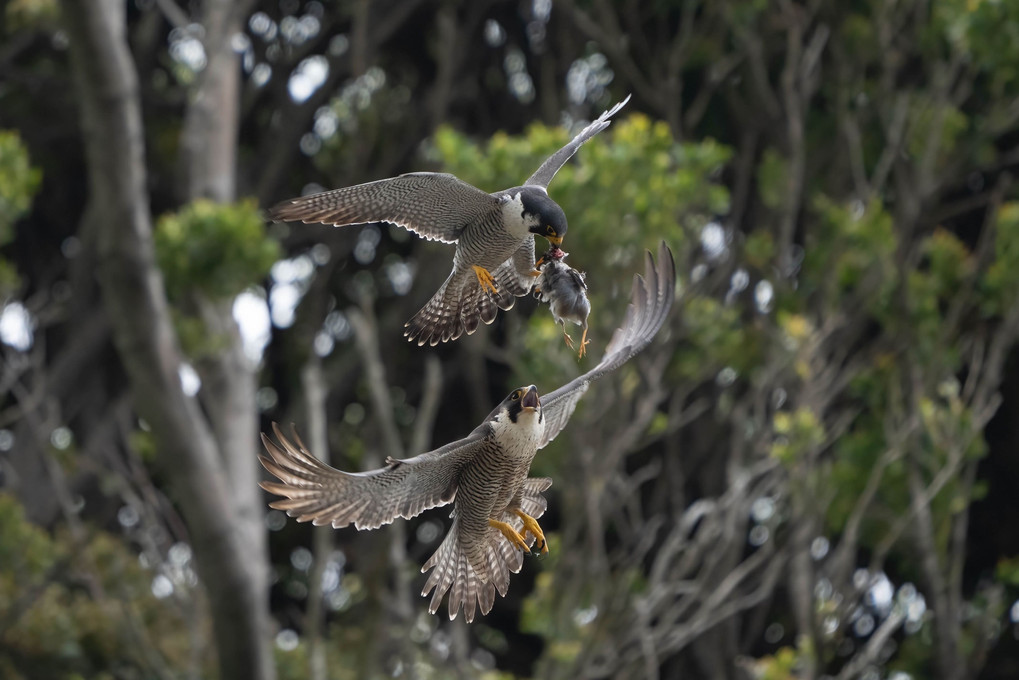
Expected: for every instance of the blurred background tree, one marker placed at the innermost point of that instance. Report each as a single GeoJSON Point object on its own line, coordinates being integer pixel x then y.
{"type": "Point", "coordinates": [808, 475]}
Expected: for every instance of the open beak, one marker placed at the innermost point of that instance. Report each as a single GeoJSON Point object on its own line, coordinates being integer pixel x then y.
{"type": "Point", "coordinates": [530, 399]}
{"type": "Point", "coordinates": [555, 240]}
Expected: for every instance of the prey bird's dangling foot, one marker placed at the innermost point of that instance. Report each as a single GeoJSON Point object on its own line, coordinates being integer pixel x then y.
{"type": "Point", "coordinates": [511, 534]}
{"type": "Point", "coordinates": [486, 280]}
{"type": "Point", "coordinates": [531, 524]}
{"type": "Point", "coordinates": [584, 342]}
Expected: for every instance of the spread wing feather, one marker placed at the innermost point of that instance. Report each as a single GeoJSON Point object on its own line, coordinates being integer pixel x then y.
{"type": "Point", "coordinates": [435, 206]}
{"type": "Point", "coordinates": [543, 175]}
{"type": "Point", "coordinates": [316, 492]}
{"type": "Point", "coordinates": [650, 302]}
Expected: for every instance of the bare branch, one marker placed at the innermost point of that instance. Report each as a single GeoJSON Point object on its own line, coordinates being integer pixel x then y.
{"type": "Point", "coordinates": [869, 654]}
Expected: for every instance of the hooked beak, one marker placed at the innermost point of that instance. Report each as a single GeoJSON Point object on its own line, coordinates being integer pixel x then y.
{"type": "Point", "coordinates": [530, 399]}
{"type": "Point", "coordinates": [555, 240]}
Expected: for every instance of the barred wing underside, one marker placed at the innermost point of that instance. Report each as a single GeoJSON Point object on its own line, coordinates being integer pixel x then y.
{"type": "Point", "coordinates": [435, 206]}
{"type": "Point", "coordinates": [316, 492]}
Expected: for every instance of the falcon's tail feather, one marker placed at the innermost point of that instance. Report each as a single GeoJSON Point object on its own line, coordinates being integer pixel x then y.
{"type": "Point", "coordinates": [451, 567]}
{"type": "Point", "coordinates": [461, 304]}
{"type": "Point", "coordinates": [439, 320]}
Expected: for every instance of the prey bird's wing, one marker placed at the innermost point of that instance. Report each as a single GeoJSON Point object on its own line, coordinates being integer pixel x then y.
{"type": "Point", "coordinates": [550, 167]}
{"type": "Point", "coordinates": [324, 495]}
{"type": "Point", "coordinates": [650, 303]}
{"type": "Point", "coordinates": [579, 278]}
{"type": "Point", "coordinates": [435, 206]}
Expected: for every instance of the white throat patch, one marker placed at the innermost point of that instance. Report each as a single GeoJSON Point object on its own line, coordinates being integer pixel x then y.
{"type": "Point", "coordinates": [517, 224]}
{"type": "Point", "coordinates": [522, 436]}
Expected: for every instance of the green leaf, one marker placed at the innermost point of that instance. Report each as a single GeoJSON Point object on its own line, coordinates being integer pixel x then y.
{"type": "Point", "coordinates": [214, 249]}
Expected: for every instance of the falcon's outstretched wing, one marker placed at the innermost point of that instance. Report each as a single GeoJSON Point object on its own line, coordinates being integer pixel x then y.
{"type": "Point", "coordinates": [435, 206]}
{"type": "Point", "coordinates": [543, 175]}
{"type": "Point", "coordinates": [324, 495]}
{"type": "Point", "coordinates": [650, 303]}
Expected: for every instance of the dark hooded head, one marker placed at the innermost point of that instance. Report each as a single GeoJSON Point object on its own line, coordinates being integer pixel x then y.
{"type": "Point", "coordinates": [550, 218]}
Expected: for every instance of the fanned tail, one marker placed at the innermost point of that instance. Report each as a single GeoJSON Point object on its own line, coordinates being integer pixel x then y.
{"type": "Point", "coordinates": [452, 571]}
{"type": "Point", "coordinates": [439, 320]}
{"type": "Point", "coordinates": [461, 304]}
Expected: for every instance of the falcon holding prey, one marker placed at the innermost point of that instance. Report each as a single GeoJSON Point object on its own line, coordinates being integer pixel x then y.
{"type": "Point", "coordinates": [484, 475]}
{"type": "Point", "coordinates": [494, 259]}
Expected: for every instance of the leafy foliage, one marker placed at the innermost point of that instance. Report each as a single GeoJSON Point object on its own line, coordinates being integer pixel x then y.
{"type": "Point", "coordinates": [214, 249]}
{"type": "Point", "coordinates": [72, 609]}
{"type": "Point", "coordinates": [19, 182]}
{"type": "Point", "coordinates": [1000, 283]}
{"type": "Point", "coordinates": [21, 14]}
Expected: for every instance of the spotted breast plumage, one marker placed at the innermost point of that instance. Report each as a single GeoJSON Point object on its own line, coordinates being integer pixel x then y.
{"type": "Point", "coordinates": [494, 259]}
{"type": "Point", "coordinates": [484, 475]}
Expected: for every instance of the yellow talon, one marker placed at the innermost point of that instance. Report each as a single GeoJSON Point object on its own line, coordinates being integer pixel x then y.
{"type": "Point", "coordinates": [484, 278]}
{"type": "Point", "coordinates": [531, 524]}
{"type": "Point", "coordinates": [584, 342]}
{"type": "Point", "coordinates": [510, 533]}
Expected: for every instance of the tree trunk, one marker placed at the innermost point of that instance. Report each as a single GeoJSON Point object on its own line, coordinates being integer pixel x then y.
{"type": "Point", "coordinates": [230, 564]}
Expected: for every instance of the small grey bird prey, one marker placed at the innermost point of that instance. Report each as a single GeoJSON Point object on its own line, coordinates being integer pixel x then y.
{"type": "Point", "coordinates": [484, 475]}
{"type": "Point", "coordinates": [565, 290]}
{"type": "Point", "coordinates": [494, 259]}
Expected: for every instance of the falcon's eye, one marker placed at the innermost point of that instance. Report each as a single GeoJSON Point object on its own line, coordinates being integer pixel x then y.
{"type": "Point", "coordinates": [550, 231]}
{"type": "Point", "coordinates": [516, 395]}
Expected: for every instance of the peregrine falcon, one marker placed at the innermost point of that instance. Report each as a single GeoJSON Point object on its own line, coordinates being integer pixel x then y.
{"type": "Point", "coordinates": [484, 475]}
{"type": "Point", "coordinates": [494, 259]}
{"type": "Point", "coordinates": [565, 290]}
